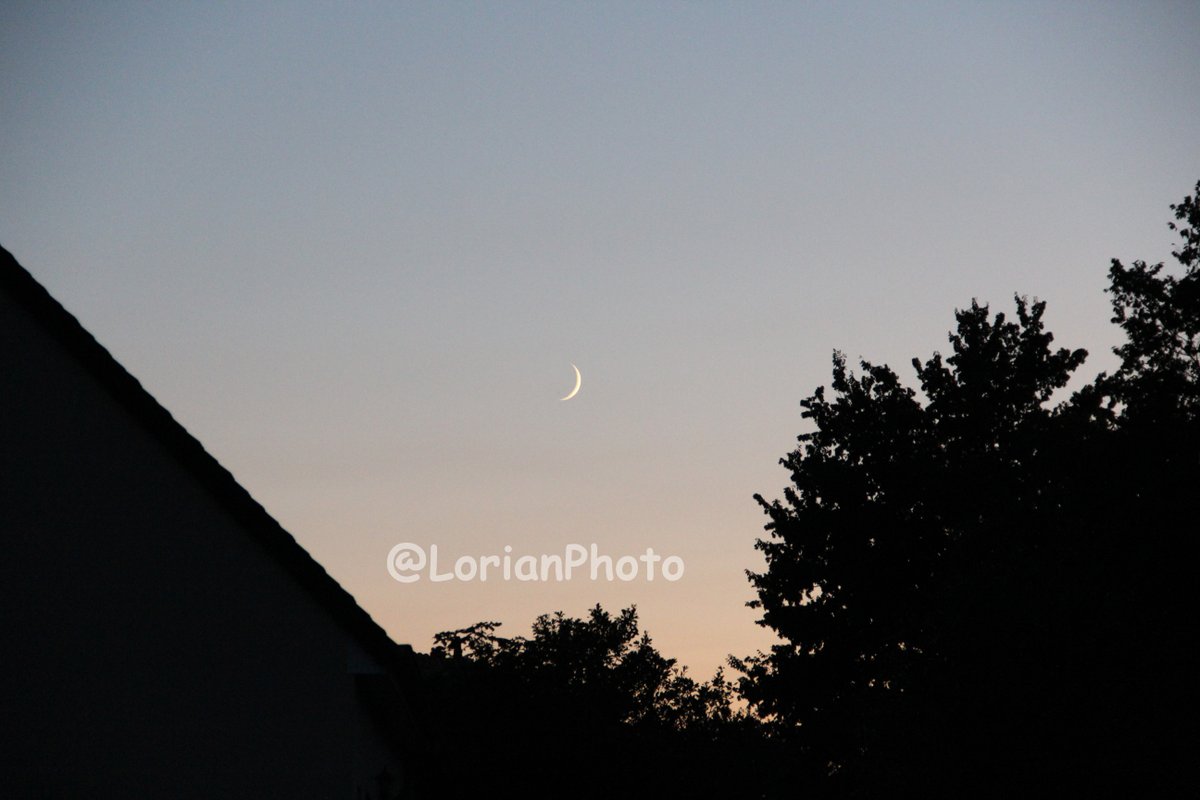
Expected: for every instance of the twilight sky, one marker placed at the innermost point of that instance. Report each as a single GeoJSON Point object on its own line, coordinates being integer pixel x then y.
{"type": "Point", "coordinates": [355, 248]}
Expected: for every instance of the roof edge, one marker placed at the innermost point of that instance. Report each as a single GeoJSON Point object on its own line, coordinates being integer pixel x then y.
{"type": "Point", "coordinates": [203, 466]}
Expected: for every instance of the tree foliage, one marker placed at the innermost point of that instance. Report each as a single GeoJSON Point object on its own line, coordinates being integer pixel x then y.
{"type": "Point", "coordinates": [975, 585]}
{"type": "Point", "coordinates": [586, 707]}
{"type": "Point", "coordinates": [601, 661]}
{"type": "Point", "coordinates": [1159, 377]}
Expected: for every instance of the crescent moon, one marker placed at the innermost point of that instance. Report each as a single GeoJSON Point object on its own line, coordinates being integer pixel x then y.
{"type": "Point", "coordinates": [578, 383]}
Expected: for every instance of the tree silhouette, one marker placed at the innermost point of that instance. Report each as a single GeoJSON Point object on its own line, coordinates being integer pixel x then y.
{"type": "Point", "coordinates": [585, 707]}
{"type": "Point", "coordinates": [1159, 376]}
{"type": "Point", "coordinates": [976, 588]}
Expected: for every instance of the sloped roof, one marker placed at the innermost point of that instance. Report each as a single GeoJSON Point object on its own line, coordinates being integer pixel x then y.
{"type": "Point", "coordinates": [187, 450]}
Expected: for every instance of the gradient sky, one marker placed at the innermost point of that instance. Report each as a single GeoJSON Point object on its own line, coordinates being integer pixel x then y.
{"type": "Point", "coordinates": [355, 248]}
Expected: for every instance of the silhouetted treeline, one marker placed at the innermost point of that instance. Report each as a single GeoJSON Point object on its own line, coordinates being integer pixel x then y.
{"type": "Point", "coordinates": [979, 589]}
{"type": "Point", "coordinates": [582, 708]}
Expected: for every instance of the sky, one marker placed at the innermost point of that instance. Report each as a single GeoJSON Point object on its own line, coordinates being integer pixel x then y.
{"type": "Point", "coordinates": [355, 249]}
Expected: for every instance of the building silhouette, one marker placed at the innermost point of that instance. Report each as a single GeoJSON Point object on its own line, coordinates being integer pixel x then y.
{"type": "Point", "coordinates": [161, 635]}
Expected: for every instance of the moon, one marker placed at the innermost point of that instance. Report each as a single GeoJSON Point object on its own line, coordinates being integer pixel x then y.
{"type": "Point", "coordinates": [578, 383]}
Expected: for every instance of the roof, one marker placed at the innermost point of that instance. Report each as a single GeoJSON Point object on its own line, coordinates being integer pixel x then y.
{"type": "Point", "coordinates": [201, 465]}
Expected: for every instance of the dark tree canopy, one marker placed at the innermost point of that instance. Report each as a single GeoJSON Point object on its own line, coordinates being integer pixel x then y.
{"type": "Point", "coordinates": [977, 587]}
{"type": "Point", "coordinates": [601, 661]}
{"type": "Point", "coordinates": [584, 707]}
{"type": "Point", "coordinates": [1159, 376]}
